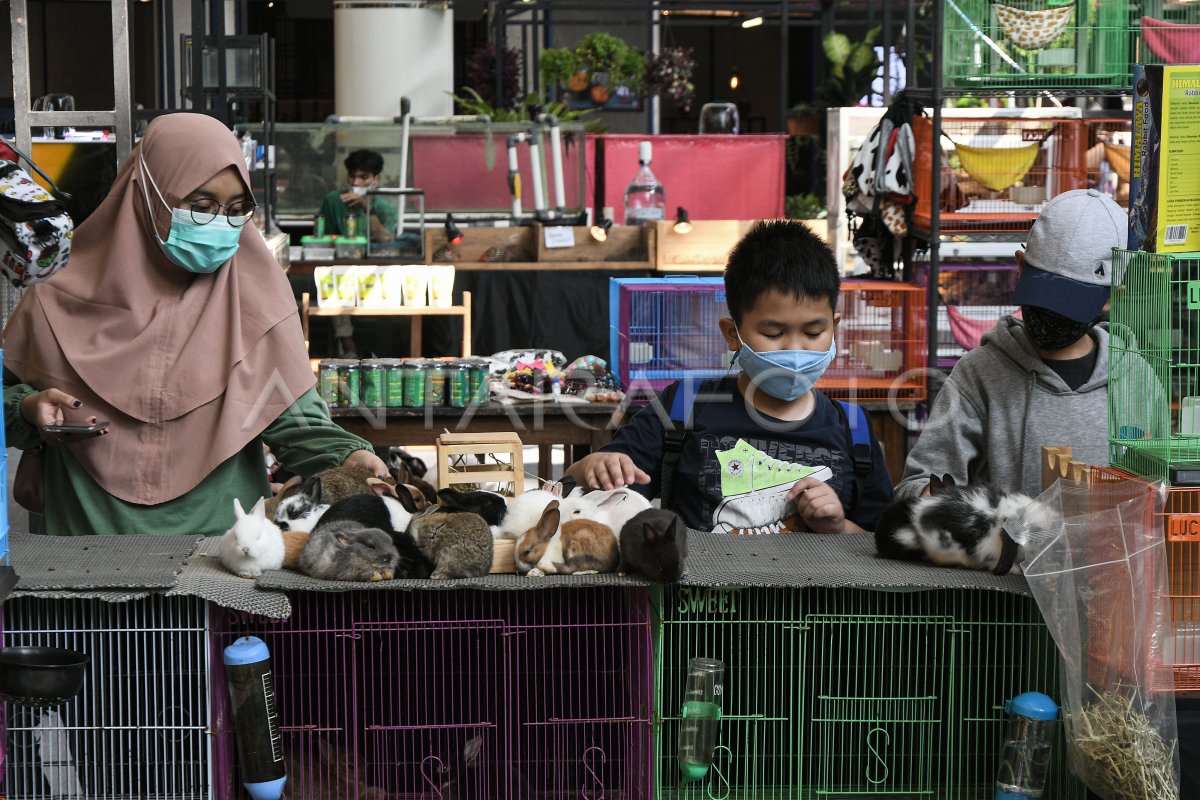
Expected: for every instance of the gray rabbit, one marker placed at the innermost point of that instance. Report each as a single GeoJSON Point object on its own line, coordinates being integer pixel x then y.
{"type": "Point", "coordinates": [458, 544]}
{"type": "Point", "coordinates": [349, 551]}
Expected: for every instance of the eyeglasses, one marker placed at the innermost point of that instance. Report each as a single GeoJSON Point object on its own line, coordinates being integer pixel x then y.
{"type": "Point", "coordinates": [206, 210]}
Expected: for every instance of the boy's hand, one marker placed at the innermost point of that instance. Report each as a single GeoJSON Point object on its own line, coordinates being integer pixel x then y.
{"type": "Point", "coordinates": [608, 471]}
{"type": "Point", "coordinates": [819, 506]}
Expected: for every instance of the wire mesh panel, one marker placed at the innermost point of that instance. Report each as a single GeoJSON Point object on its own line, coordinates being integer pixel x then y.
{"type": "Point", "coordinates": [456, 694]}
{"type": "Point", "coordinates": [1154, 363]}
{"type": "Point", "coordinates": [140, 726]}
{"type": "Point", "coordinates": [997, 171]}
{"type": "Point", "coordinates": [972, 297]}
{"type": "Point", "coordinates": [1033, 43]}
{"type": "Point", "coordinates": [881, 343]}
{"type": "Point", "coordinates": [666, 330]}
{"type": "Point", "coordinates": [850, 693]}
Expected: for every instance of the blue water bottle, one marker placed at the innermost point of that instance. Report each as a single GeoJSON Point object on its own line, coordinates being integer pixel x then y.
{"type": "Point", "coordinates": [256, 723]}
{"type": "Point", "coordinates": [1026, 758]}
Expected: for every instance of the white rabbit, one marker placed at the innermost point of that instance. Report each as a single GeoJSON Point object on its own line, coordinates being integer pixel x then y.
{"type": "Point", "coordinates": [253, 545]}
{"type": "Point", "coordinates": [523, 513]}
{"type": "Point", "coordinates": [612, 508]}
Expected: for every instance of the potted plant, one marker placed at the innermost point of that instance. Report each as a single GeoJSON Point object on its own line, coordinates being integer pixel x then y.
{"type": "Point", "coordinates": [670, 72]}
{"type": "Point", "coordinates": [559, 67]}
{"type": "Point", "coordinates": [852, 67]}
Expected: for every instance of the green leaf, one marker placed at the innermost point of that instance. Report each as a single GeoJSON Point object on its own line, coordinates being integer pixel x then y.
{"type": "Point", "coordinates": [837, 48]}
{"type": "Point", "coordinates": [872, 34]}
{"type": "Point", "coordinates": [862, 58]}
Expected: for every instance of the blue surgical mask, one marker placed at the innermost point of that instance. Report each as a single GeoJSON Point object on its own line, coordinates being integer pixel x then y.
{"type": "Point", "coordinates": [785, 374]}
{"type": "Point", "coordinates": [201, 249]}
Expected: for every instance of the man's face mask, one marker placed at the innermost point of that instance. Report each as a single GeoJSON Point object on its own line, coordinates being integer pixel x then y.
{"type": "Point", "coordinates": [1048, 330]}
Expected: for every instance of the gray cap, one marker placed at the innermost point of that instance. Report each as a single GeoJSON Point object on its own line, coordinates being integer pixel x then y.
{"type": "Point", "coordinates": [1068, 258]}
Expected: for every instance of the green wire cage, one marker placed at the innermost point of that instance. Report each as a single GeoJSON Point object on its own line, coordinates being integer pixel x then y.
{"type": "Point", "coordinates": [1154, 364]}
{"type": "Point", "coordinates": [840, 693]}
{"type": "Point", "coordinates": [1092, 44]}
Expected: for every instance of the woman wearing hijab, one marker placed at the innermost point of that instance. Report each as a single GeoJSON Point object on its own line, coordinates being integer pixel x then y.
{"type": "Point", "coordinates": [174, 323]}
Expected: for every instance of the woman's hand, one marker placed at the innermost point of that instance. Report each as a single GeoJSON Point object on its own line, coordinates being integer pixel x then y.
{"type": "Point", "coordinates": [50, 407]}
{"type": "Point", "coordinates": [367, 460]}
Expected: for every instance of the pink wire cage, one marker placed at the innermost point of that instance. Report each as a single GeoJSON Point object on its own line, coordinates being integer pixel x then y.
{"type": "Point", "coordinates": [464, 694]}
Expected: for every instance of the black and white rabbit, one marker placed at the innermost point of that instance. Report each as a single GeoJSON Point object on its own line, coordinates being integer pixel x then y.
{"type": "Point", "coordinates": [299, 510]}
{"type": "Point", "coordinates": [390, 513]}
{"type": "Point", "coordinates": [654, 545]}
{"type": "Point", "coordinates": [489, 505]}
{"type": "Point", "coordinates": [960, 526]}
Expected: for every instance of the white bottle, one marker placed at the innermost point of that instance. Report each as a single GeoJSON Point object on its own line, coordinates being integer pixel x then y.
{"type": "Point", "coordinates": [645, 198]}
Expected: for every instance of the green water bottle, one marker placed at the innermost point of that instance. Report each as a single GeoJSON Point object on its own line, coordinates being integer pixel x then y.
{"type": "Point", "coordinates": [700, 717]}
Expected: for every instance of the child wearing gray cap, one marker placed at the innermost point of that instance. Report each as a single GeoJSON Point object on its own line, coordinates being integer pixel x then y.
{"type": "Point", "coordinates": [1041, 379]}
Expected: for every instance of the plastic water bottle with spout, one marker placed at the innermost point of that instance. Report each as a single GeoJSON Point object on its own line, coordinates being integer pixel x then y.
{"type": "Point", "coordinates": [645, 197]}
{"type": "Point", "coordinates": [700, 717]}
{"type": "Point", "coordinates": [1026, 758]}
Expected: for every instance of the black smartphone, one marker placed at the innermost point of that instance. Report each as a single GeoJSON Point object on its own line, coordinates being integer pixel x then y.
{"type": "Point", "coordinates": [71, 430]}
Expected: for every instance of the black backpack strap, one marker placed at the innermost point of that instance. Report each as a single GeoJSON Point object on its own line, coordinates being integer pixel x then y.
{"type": "Point", "coordinates": [675, 434]}
{"type": "Point", "coordinates": [858, 446]}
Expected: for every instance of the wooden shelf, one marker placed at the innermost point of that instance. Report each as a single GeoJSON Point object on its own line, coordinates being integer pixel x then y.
{"type": "Point", "coordinates": [415, 313]}
{"type": "Point", "coordinates": [403, 311]}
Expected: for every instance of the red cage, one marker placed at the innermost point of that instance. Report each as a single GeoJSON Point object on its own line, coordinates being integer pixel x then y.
{"type": "Point", "coordinates": [997, 172]}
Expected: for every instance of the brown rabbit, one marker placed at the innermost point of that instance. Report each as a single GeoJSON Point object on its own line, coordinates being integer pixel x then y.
{"type": "Point", "coordinates": [539, 549]}
{"type": "Point", "coordinates": [293, 546]}
{"type": "Point", "coordinates": [587, 547]}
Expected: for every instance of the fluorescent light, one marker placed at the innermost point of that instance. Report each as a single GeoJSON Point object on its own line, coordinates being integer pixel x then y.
{"type": "Point", "coordinates": [753, 22]}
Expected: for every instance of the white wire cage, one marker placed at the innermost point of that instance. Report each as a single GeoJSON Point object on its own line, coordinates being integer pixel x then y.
{"type": "Point", "coordinates": [140, 726]}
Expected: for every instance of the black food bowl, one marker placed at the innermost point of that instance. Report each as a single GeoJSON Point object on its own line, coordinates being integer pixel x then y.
{"type": "Point", "coordinates": [41, 676]}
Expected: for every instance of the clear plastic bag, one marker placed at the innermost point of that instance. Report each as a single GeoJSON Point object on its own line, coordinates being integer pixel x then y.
{"type": "Point", "coordinates": [1097, 568]}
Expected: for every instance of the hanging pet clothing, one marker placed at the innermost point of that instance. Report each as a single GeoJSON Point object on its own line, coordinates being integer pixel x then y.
{"type": "Point", "coordinates": [1033, 30]}
{"type": "Point", "coordinates": [1173, 42]}
{"type": "Point", "coordinates": [997, 168]}
{"type": "Point", "coordinates": [968, 331]}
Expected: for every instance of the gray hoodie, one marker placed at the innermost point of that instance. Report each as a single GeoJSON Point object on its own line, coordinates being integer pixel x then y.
{"type": "Point", "coordinates": [1001, 404]}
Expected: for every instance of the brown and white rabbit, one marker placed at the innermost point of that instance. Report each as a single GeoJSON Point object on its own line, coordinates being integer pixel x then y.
{"type": "Point", "coordinates": [654, 545]}
{"type": "Point", "coordinates": [253, 545]}
{"type": "Point", "coordinates": [459, 544]}
{"type": "Point", "coordinates": [587, 547]}
{"type": "Point", "coordinates": [539, 550]}
{"type": "Point", "coordinates": [346, 550]}
{"type": "Point", "coordinates": [957, 526]}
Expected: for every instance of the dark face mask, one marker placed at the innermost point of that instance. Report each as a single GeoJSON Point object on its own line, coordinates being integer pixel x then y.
{"type": "Point", "coordinates": [1050, 331]}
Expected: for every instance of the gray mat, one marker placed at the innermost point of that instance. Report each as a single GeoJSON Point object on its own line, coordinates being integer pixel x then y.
{"type": "Point", "coordinates": [295, 581]}
{"type": "Point", "coordinates": [204, 577]}
{"type": "Point", "coordinates": [98, 562]}
{"type": "Point", "coordinates": [113, 596]}
{"type": "Point", "coordinates": [799, 560]}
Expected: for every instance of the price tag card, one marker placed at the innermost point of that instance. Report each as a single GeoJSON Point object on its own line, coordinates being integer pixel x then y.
{"type": "Point", "coordinates": [559, 236]}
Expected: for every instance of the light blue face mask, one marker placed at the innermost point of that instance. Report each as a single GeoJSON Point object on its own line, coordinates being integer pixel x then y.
{"type": "Point", "coordinates": [785, 374]}
{"type": "Point", "coordinates": [201, 249]}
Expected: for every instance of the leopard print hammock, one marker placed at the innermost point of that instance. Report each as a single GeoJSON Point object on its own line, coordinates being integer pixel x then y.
{"type": "Point", "coordinates": [1033, 30]}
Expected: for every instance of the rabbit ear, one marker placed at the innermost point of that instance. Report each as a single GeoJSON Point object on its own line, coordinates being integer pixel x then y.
{"type": "Point", "coordinates": [382, 488]}
{"type": "Point", "coordinates": [237, 508]}
{"type": "Point", "coordinates": [650, 534]}
{"type": "Point", "coordinates": [548, 524]}
{"type": "Point", "coordinates": [471, 751]}
{"type": "Point", "coordinates": [260, 508]}
{"type": "Point", "coordinates": [312, 488]}
{"type": "Point", "coordinates": [342, 539]}
{"type": "Point", "coordinates": [613, 498]}
{"type": "Point", "coordinates": [450, 498]}
{"type": "Point", "coordinates": [406, 500]}
{"type": "Point", "coordinates": [672, 530]}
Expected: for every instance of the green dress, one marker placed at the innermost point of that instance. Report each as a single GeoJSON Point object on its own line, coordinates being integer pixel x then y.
{"type": "Point", "coordinates": [333, 211]}
{"type": "Point", "coordinates": [304, 438]}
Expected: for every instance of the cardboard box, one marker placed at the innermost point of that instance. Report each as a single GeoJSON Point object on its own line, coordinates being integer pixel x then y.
{"type": "Point", "coordinates": [1164, 190]}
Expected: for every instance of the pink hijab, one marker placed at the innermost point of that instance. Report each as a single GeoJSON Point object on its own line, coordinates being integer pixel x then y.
{"type": "Point", "coordinates": [187, 368]}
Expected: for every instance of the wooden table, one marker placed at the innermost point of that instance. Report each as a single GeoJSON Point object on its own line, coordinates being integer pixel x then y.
{"type": "Point", "coordinates": [576, 426]}
{"type": "Point", "coordinates": [579, 428]}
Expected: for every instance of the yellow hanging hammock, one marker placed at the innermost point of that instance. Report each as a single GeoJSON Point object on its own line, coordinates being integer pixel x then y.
{"type": "Point", "coordinates": [1033, 30]}
{"type": "Point", "coordinates": [997, 168]}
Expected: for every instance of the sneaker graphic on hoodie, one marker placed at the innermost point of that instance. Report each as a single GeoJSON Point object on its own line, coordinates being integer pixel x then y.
{"type": "Point", "coordinates": [755, 487]}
